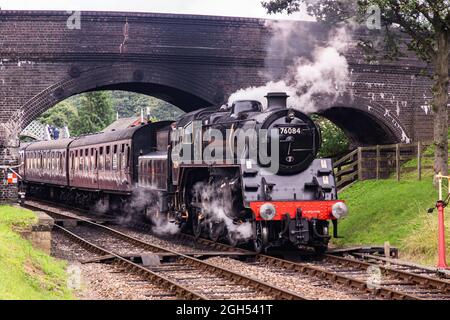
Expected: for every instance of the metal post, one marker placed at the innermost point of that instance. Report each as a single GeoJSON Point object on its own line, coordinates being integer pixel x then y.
{"type": "Point", "coordinates": [378, 162]}
{"type": "Point", "coordinates": [419, 160]}
{"type": "Point", "coordinates": [397, 160]}
{"type": "Point", "coordinates": [442, 261]}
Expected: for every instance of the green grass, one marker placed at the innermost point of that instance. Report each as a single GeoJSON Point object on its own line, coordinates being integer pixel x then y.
{"type": "Point", "coordinates": [387, 210]}
{"type": "Point", "coordinates": [27, 273]}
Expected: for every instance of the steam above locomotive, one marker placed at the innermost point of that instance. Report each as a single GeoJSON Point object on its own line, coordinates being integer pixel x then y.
{"type": "Point", "coordinates": [236, 172]}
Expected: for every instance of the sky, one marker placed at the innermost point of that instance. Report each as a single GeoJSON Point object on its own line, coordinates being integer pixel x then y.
{"type": "Point", "coordinates": [238, 8]}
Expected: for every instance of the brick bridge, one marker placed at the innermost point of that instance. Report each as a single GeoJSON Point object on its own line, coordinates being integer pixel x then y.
{"type": "Point", "coordinates": [190, 61]}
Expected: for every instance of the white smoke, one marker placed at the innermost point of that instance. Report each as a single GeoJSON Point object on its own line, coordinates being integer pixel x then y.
{"type": "Point", "coordinates": [162, 226]}
{"type": "Point", "coordinates": [140, 200]}
{"type": "Point", "coordinates": [320, 74]}
{"type": "Point", "coordinates": [217, 203]}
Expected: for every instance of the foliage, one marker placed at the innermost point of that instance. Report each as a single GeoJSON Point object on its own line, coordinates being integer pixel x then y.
{"type": "Point", "coordinates": [334, 140]}
{"type": "Point", "coordinates": [129, 104]}
{"type": "Point", "coordinates": [61, 115]}
{"type": "Point", "coordinates": [425, 23]}
{"type": "Point", "coordinates": [95, 113]}
{"type": "Point", "coordinates": [27, 273]}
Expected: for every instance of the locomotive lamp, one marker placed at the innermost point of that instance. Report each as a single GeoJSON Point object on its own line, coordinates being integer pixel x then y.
{"type": "Point", "coordinates": [339, 210]}
{"type": "Point", "coordinates": [267, 211]}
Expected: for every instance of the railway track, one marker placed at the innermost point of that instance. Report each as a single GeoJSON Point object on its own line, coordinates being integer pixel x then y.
{"type": "Point", "coordinates": [380, 282]}
{"type": "Point", "coordinates": [402, 265]}
{"type": "Point", "coordinates": [358, 275]}
{"type": "Point", "coordinates": [186, 276]}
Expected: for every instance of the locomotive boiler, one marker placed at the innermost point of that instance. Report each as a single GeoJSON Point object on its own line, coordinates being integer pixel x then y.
{"type": "Point", "coordinates": [241, 173]}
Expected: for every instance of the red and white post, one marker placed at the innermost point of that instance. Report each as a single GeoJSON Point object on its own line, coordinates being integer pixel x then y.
{"type": "Point", "coordinates": [442, 262]}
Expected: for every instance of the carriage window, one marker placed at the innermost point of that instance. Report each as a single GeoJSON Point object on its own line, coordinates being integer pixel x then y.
{"type": "Point", "coordinates": [86, 160]}
{"type": "Point", "coordinates": [188, 133]}
{"type": "Point", "coordinates": [128, 157]}
{"type": "Point", "coordinates": [77, 160]}
{"type": "Point", "coordinates": [91, 160]}
{"type": "Point", "coordinates": [101, 159]}
{"type": "Point", "coordinates": [81, 161]}
{"type": "Point", "coordinates": [114, 158]}
{"type": "Point", "coordinates": [108, 158]}
{"type": "Point", "coordinates": [123, 157]}
{"type": "Point", "coordinates": [95, 159]}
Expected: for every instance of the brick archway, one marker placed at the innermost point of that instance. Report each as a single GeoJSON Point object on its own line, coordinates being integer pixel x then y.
{"type": "Point", "coordinates": [366, 122]}
{"type": "Point", "coordinates": [165, 83]}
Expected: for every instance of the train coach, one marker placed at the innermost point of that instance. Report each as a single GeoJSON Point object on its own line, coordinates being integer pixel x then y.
{"type": "Point", "coordinates": [84, 170]}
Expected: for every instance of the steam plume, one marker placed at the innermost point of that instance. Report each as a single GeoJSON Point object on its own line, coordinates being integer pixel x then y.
{"type": "Point", "coordinates": [315, 72]}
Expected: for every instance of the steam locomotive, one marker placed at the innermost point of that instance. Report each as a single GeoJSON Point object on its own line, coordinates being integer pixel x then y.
{"type": "Point", "coordinates": [240, 173]}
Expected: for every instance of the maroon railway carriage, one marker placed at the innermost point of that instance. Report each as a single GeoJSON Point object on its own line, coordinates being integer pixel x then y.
{"type": "Point", "coordinates": [45, 162]}
{"type": "Point", "coordinates": [85, 169]}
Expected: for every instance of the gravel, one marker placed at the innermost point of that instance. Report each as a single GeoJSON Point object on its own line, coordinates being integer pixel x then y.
{"type": "Point", "coordinates": [306, 286]}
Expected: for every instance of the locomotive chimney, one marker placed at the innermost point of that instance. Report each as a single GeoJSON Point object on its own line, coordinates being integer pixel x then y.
{"type": "Point", "coordinates": [277, 100]}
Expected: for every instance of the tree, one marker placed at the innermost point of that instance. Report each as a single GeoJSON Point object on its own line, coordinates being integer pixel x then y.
{"type": "Point", "coordinates": [95, 113]}
{"type": "Point", "coordinates": [427, 25]}
{"type": "Point", "coordinates": [61, 115]}
{"type": "Point", "coordinates": [334, 141]}
{"type": "Point", "coordinates": [129, 104]}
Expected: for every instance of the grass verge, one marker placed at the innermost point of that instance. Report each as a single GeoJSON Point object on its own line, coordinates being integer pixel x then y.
{"type": "Point", "coordinates": [387, 210]}
{"type": "Point", "coordinates": [25, 272]}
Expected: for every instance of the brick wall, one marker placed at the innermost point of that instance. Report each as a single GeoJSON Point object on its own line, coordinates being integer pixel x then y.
{"type": "Point", "coordinates": [190, 61]}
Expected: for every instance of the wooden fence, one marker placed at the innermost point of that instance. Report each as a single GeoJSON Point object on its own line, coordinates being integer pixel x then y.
{"type": "Point", "coordinates": [380, 162]}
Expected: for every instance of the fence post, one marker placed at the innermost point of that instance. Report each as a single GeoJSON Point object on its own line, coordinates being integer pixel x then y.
{"type": "Point", "coordinates": [397, 160]}
{"type": "Point", "coordinates": [419, 160]}
{"type": "Point", "coordinates": [378, 162]}
{"type": "Point", "coordinates": [360, 176]}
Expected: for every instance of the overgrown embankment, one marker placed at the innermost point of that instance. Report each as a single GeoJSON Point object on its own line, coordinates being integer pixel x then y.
{"type": "Point", "coordinates": [27, 273]}
{"type": "Point", "coordinates": [387, 210]}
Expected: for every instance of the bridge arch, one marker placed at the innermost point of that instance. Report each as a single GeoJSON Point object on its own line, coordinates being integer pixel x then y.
{"type": "Point", "coordinates": [180, 88]}
{"type": "Point", "coordinates": [365, 122]}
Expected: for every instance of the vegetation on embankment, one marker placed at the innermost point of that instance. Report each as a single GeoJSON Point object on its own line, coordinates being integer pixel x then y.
{"type": "Point", "coordinates": [25, 272]}
{"type": "Point", "coordinates": [387, 210]}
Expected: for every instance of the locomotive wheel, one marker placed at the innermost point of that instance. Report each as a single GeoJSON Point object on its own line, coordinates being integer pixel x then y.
{"type": "Point", "coordinates": [197, 225]}
{"type": "Point", "coordinates": [260, 237]}
{"type": "Point", "coordinates": [216, 230]}
{"type": "Point", "coordinates": [321, 249]}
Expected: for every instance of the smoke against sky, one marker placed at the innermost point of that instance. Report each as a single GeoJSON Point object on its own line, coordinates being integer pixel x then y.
{"type": "Point", "coordinates": [247, 8]}
{"type": "Point", "coordinates": [316, 71]}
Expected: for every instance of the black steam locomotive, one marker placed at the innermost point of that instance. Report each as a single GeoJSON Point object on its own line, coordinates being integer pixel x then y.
{"type": "Point", "coordinates": [235, 172]}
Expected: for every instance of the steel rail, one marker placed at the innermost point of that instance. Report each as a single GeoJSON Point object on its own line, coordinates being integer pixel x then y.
{"type": "Point", "coordinates": [277, 292]}
{"type": "Point", "coordinates": [155, 278]}
{"type": "Point", "coordinates": [316, 271]}
{"type": "Point", "coordinates": [439, 284]}
{"type": "Point", "coordinates": [309, 270]}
